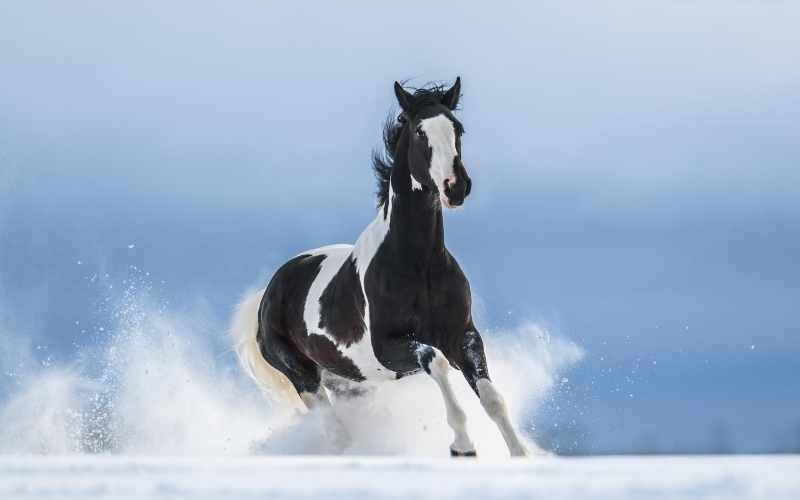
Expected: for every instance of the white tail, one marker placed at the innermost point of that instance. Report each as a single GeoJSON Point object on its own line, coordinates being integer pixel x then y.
{"type": "Point", "coordinates": [243, 331]}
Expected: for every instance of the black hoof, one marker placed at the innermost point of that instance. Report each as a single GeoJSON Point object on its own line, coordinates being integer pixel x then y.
{"type": "Point", "coordinates": [454, 453]}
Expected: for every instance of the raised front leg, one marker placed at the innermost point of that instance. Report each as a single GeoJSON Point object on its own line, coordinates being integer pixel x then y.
{"type": "Point", "coordinates": [437, 366]}
{"type": "Point", "coordinates": [477, 374]}
{"type": "Point", "coordinates": [408, 356]}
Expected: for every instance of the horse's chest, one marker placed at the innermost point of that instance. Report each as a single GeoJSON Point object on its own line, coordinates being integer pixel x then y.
{"type": "Point", "coordinates": [416, 302]}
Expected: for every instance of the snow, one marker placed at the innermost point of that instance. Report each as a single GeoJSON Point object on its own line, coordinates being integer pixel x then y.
{"type": "Point", "coordinates": [323, 477]}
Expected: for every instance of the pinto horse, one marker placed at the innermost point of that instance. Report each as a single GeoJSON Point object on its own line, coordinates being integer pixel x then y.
{"type": "Point", "coordinates": [395, 303]}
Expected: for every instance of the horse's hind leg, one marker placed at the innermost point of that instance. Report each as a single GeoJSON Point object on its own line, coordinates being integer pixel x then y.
{"type": "Point", "coordinates": [344, 389]}
{"type": "Point", "coordinates": [284, 356]}
{"type": "Point", "coordinates": [319, 403]}
{"type": "Point", "coordinates": [305, 375]}
{"type": "Point", "coordinates": [301, 371]}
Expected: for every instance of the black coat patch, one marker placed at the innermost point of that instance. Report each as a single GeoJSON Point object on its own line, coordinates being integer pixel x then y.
{"type": "Point", "coordinates": [342, 306]}
{"type": "Point", "coordinates": [322, 350]}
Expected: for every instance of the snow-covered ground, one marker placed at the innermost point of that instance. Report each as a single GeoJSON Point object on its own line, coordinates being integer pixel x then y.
{"type": "Point", "coordinates": [141, 478]}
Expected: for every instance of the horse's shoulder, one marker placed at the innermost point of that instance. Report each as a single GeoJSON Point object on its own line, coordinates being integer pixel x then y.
{"type": "Point", "coordinates": [449, 291]}
{"type": "Point", "coordinates": [448, 271]}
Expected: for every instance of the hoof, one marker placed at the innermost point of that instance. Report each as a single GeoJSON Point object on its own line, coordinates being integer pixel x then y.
{"type": "Point", "coordinates": [454, 453]}
{"type": "Point", "coordinates": [520, 451]}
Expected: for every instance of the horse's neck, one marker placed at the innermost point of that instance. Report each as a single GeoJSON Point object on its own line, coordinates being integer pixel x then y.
{"type": "Point", "coordinates": [416, 232]}
{"type": "Point", "coordinates": [409, 225]}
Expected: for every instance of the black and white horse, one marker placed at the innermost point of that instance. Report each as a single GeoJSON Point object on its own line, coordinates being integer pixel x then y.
{"type": "Point", "coordinates": [393, 304]}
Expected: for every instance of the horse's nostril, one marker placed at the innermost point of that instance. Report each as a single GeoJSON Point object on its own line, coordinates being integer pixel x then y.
{"type": "Point", "coordinates": [449, 181]}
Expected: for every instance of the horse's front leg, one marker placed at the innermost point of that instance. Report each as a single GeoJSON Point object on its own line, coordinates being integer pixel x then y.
{"type": "Point", "coordinates": [437, 366]}
{"type": "Point", "coordinates": [477, 374]}
{"type": "Point", "coordinates": [409, 356]}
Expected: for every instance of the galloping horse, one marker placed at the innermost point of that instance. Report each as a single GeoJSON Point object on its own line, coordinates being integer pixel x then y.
{"type": "Point", "coordinates": [395, 303]}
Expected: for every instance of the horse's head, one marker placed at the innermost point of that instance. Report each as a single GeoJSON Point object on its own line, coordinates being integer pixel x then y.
{"type": "Point", "coordinates": [434, 142]}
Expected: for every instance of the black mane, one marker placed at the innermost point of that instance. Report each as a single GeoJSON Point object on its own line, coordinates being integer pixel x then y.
{"type": "Point", "coordinates": [383, 161]}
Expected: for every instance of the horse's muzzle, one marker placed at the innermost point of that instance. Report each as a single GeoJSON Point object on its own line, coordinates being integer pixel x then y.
{"type": "Point", "coordinates": [456, 191]}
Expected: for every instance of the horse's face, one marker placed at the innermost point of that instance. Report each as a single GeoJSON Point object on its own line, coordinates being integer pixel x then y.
{"type": "Point", "coordinates": [434, 143]}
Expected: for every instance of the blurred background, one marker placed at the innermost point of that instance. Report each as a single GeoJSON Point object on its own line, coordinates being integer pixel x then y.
{"type": "Point", "coordinates": [636, 173]}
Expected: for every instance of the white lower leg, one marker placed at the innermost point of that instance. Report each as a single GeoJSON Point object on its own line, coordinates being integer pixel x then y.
{"type": "Point", "coordinates": [495, 406]}
{"type": "Point", "coordinates": [456, 417]}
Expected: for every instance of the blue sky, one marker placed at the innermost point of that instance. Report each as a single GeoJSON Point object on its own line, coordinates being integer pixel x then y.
{"type": "Point", "coordinates": [636, 169]}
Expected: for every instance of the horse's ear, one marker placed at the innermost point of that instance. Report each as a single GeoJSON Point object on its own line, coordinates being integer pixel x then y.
{"type": "Point", "coordinates": [451, 97]}
{"type": "Point", "coordinates": [403, 98]}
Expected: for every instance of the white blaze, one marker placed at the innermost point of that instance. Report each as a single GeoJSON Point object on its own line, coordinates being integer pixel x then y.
{"type": "Point", "coordinates": [442, 140]}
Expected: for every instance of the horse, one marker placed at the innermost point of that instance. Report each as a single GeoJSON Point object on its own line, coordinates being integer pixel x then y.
{"type": "Point", "coordinates": [395, 303]}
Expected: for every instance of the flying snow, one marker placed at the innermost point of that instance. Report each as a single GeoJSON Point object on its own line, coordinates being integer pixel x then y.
{"type": "Point", "coordinates": [155, 381]}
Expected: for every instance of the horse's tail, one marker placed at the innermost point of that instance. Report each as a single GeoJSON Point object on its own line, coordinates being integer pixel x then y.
{"type": "Point", "coordinates": [244, 332]}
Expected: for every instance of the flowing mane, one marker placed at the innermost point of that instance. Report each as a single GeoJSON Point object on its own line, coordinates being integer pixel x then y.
{"type": "Point", "coordinates": [383, 161]}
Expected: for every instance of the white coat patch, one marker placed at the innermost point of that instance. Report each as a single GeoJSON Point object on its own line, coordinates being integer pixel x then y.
{"type": "Point", "coordinates": [335, 256]}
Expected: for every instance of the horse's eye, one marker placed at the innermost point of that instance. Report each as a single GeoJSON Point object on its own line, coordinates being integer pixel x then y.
{"type": "Point", "coordinates": [420, 132]}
